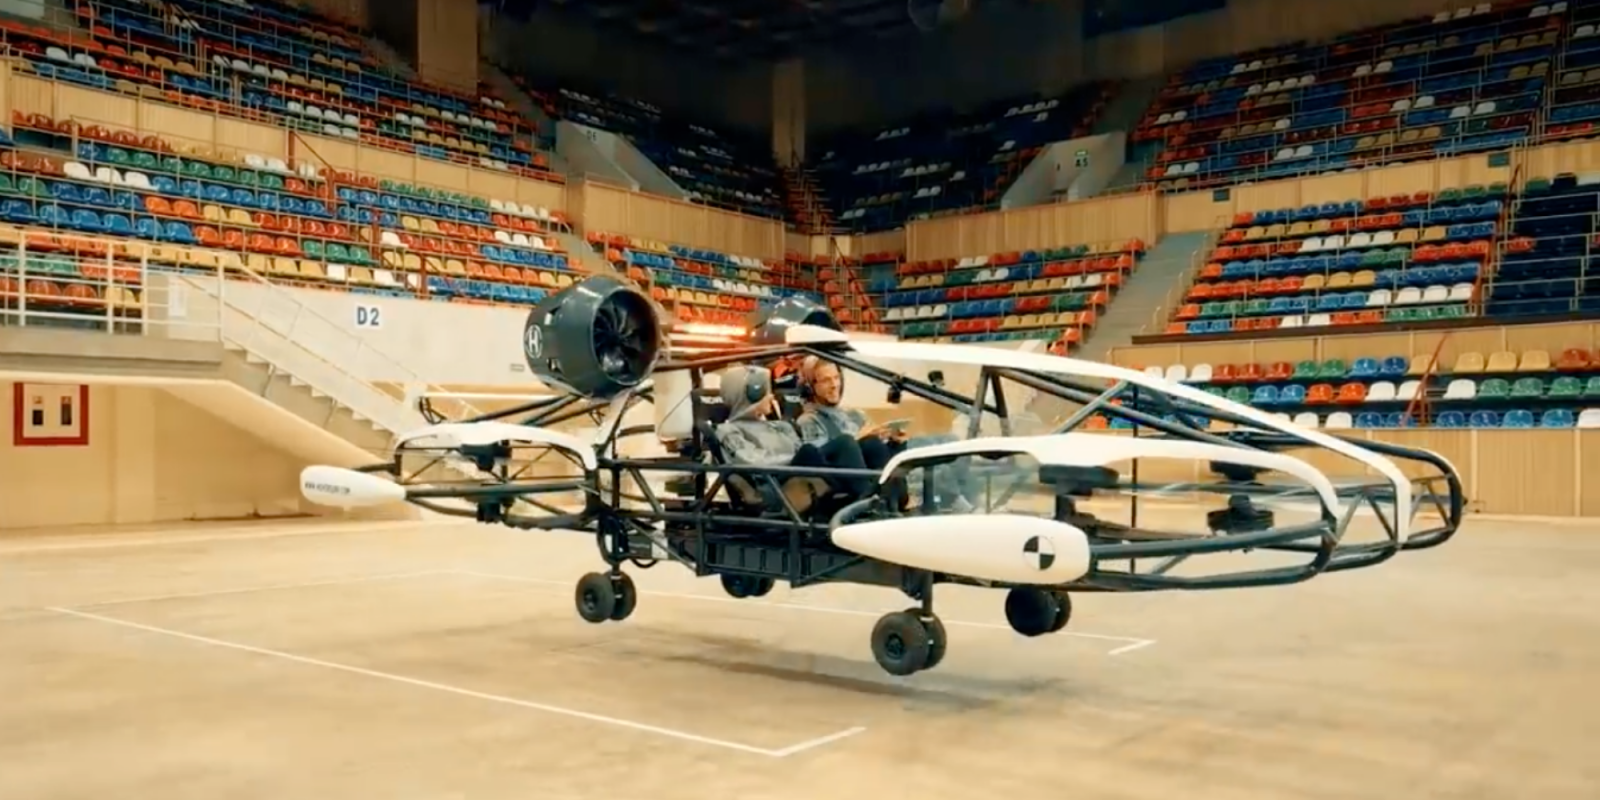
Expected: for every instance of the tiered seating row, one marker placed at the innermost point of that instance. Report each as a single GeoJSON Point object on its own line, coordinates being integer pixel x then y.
{"type": "Point", "coordinates": [1392, 259]}
{"type": "Point", "coordinates": [712, 167]}
{"type": "Point", "coordinates": [1502, 390]}
{"type": "Point", "coordinates": [1466, 81]}
{"type": "Point", "coordinates": [261, 65]}
{"type": "Point", "coordinates": [948, 162]}
{"type": "Point", "coordinates": [1546, 258]}
{"type": "Point", "coordinates": [706, 285]}
{"type": "Point", "coordinates": [1017, 295]}
{"type": "Point", "coordinates": [344, 231]}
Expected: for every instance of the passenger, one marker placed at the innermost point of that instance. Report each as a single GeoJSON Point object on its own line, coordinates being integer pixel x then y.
{"type": "Point", "coordinates": [753, 434]}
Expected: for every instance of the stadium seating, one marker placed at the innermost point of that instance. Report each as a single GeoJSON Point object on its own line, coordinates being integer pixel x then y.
{"type": "Point", "coordinates": [702, 285]}
{"type": "Point", "coordinates": [264, 60]}
{"type": "Point", "coordinates": [193, 209]}
{"type": "Point", "coordinates": [1462, 81]}
{"type": "Point", "coordinates": [948, 162]}
{"type": "Point", "coordinates": [1544, 263]}
{"type": "Point", "coordinates": [713, 167]}
{"type": "Point", "coordinates": [1050, 295]}
{"type": "Point", "coordinates": [1407, 258]}
{"type": "Point", "coordinates": [1502, 390]}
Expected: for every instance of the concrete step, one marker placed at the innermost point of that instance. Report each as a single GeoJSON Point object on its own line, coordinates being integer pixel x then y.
{"type": "Point", "coordinates": [1142, 297]}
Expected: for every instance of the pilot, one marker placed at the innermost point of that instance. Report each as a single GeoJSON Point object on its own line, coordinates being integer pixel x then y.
{"type": "Point", "coordinates": [822, 419]}
{"type": "Point", "coordinates": [754, 435]}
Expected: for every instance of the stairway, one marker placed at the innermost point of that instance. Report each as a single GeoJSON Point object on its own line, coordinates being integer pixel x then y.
{"type": "Point", "coordinates": [518, 100]}
{"type": "Point", "coordinates": [807, 206]}
{"type": "Point", "coordinates": [1127, 108]}
{"type": "Point", "coordinates": [583, 255]}
{"type": "Point", "coordinates": [389, 56]}
{"type": "Point", "coordinates": [279, 349]}
{"type": "Point", "coordinates": [1146, 299]}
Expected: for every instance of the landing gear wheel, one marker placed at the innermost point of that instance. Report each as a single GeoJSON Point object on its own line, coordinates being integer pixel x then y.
{"type": "Point", "coordinates": [596, 597]}
{"type": "Point", "coordinates": [1063, 611]}
{"type": "Point", "coordinates": [743, 586]}
{"type": "Point", "coordinates": [936, 639]}
{"type": "Point", "coordinates": [900, 643]}
{"type": "Point", "coordinates": [627, 596]}
{"type": "Point", "coordinates": [1034, 612]}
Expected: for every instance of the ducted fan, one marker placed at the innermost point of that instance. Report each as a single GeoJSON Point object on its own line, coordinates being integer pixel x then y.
{"type": "Point", "coordinates": [769, 325]}
{"type": "Point", "coordinates": [594, 338]}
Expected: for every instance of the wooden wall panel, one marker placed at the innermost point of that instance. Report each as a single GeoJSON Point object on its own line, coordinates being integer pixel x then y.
{"type": "Point", "coordinates": [610, 209]}
{"type": "Point", "coordinates": [1116, 218]}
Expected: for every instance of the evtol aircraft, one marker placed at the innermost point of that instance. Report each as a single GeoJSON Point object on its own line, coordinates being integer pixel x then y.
{"type": "Point", "coordinates": [995, 506]}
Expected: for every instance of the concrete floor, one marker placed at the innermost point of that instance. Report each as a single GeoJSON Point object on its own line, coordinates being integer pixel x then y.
{"type": "Point", "coordinates": [405, 661]}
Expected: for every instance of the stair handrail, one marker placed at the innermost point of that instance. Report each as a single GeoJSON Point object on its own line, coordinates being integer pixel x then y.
{"type": "Point", "coordinates": [410, 377]}
{"type": "Point", "coordinates": [1158, 317]}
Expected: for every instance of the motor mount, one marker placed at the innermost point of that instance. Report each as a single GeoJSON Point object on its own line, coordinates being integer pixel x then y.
{"type": "Point", "coordinates": [595, 338]}
{"type": "Point", "coordinates": [769, 325]}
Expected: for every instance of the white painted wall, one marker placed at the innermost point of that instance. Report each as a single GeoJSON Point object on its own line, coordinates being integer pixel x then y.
{"type": "Point", "coordinates": [440, 343]}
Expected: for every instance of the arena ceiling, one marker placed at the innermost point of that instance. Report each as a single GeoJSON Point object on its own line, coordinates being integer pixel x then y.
{"type": "Point", "coordinates": [761, 29]}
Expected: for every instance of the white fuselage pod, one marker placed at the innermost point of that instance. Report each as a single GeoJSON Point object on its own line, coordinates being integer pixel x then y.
{"type": "Point", "coordinates": [347, 488]}
{"type": "Point", "coordinates": [1011, 548]}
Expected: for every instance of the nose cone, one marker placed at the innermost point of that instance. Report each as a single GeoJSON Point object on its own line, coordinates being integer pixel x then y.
{"type": "Point", "coordinates": [346, 488]}
{"type": "Point", "coordinates": [1010, 548]}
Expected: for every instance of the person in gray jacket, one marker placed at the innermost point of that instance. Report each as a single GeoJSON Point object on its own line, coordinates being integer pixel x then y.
{"type": "Point", "coordinates": [752, 434]}
{"type": "Point", "coordinates": [824, 419]}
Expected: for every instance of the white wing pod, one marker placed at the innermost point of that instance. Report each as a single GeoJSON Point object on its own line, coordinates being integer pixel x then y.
{"type": "Point", "coordinates": [347, 488]}
{"type": "Point", "coordinates": [1008, 548]}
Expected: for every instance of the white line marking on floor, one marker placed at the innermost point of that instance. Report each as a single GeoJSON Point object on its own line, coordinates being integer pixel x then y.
{"type": "Point", "coordinates": [784, 752]}
{"type": "Point", "coordinates": [1128, 648]}
{"type": "Point", "coordinates": [268, 588]}
{"type": "Point", "coordinates": [1131, 642]}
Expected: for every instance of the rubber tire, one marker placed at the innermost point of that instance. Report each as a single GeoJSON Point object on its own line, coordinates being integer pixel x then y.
{"type": "Point", "coordinates": [1031, 612]}
{"type": "Point", "coordinates": [739, 586]}
{"type": "Point", "coordinates": [596, 597]}
{"type": "Point", "coordinates": [1063, 611]}
{"type": "Point", "coordinates": [937, 643]}
{"type": "Point", "coordinates": [900, 643]}
{"type": "Point", "coordinates": [627, 596]}
{"type": "Point", "coordinates": [763, 587]}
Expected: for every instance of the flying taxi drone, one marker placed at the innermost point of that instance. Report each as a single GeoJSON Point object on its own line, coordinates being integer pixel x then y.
{"type": "Point", "coordinates": [559, 464]}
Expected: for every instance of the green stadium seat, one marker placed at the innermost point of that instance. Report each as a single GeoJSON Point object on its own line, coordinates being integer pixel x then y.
{"type": "Point", "coordinates": [1239, 394]}
{"type": "Point", "coordinates": [1591, 387]}
{"type": "Point", "coordinates": [1333, 368]}
{"type": "Point", "coordinates": [1305, 370]}
{"type": "Point", "coordinates": [1527, 388]}
{"type": "Point", "coordinates": [1494, 388]}
{"type": "Point", "coordinates": [1566, 386]}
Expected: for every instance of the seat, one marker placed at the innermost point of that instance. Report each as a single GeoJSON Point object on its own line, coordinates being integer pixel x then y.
{"type": "Point", "coordinates": [1461, 389]}
{"type": "Point", "coordinates": [1527, 388]}
{"type": "Point", "coordinates": [1469, 363]}
{"type": "Point", "coordinates": [1351, 393]}
{"type": "Point", "coordinates": [1502, 361]}
{"type": "Point", "coordinates": [1494, 389]}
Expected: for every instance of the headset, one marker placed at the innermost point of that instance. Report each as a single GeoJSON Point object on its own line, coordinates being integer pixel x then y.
{"type": "Point", "coordinates": [757, 383]}
{"type": "Point", "coordinates": [808, 369]}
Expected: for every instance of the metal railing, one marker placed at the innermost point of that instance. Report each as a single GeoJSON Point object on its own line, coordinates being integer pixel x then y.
{"type": "Point", "coordinates": [246, 311]}
{"type": "Point", "coordinates": [1162, 313]}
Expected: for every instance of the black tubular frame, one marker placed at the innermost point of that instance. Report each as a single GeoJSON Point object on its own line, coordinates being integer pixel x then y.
{"type": "Point", "coordinates": [700, 531]}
